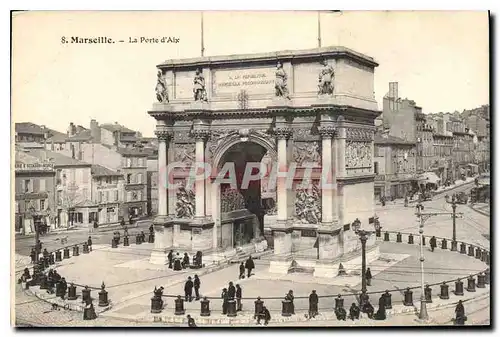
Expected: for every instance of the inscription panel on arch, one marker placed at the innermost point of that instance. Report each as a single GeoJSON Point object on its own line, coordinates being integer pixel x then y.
{"type": "Point", "coordinates": [230, 82]}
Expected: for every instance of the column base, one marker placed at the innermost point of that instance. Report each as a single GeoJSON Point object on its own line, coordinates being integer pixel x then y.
{"type": "Point", "coordinates": [159, 256]}
{"type": "Point", "coordinates": [280, 265]}
{"type": "Point", "coordinates": [326, 268]}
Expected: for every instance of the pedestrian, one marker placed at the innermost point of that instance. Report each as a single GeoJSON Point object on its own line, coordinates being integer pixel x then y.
{"type": "Point", "coordinates": [143, 236]}
{"type": "Point", "coordinates": [177, 262]}
{"type": "Point", "coordinates": [460, 317]}
{"type": "Point", "coordinates": [89, 243]}
{"type": "Point", "coordinates": [170, 259]}
{"type": "Point", "coordinates": [406, 201]}
{"type": "Point", "coordinates": [354, 312]}
{"type": "Point", "coordinates": [368, 309]}
{"type": "Point", "coordinates": [39, 246]}
{"type": "Point", "coordinates": [368, 277]}
{"type": "Point", "coordinates": [231, 291]}
{"type": "Point", "coordinates": [341, 313]}
{"type": "Point", "coordinates": [249, 265]}
{"type": "Point", "coordinates": [224, 301]}
{"type": "Point", "coordinates": [125, 229]}
{"type": "Point", "coordinates": [151, 229]}
{"type": "Point", "coordinates": [313, 304]}
{"type": "Point", "coordinates": [238, 298]}
{"type": "Point", "coordinates": [191, 322]}
{"type": "Point", "coordinates": [188, 290]}
{"type": "Point", "coordinates": [242, 271]}
{"type": "Point", "coordinates": [265, 315]}
{"type": "Point", "coordinates": [197, 284]}
{"type": "Point", "coordinates": [45, 253]}
{"type": "Point", "coordinates": [185, 261]}
{"type": "Point", "coordinates": [290, 297]}
{"type": "Point", "coordinates": [433, 243]}
{"type": "Point", "coordinates": [33, 255]}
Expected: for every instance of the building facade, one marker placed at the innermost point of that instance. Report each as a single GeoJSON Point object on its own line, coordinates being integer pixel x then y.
{"type": "Point", "coordinates": [107, 195]}
{"type": "Point", "coordinates": [134, 170]}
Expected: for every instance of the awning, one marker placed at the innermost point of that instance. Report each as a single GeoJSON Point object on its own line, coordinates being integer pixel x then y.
{"type": "Point", "coordinates": [429, 177]}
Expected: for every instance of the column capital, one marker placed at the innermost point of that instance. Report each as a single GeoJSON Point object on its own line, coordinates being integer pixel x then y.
{"type": "Point", "coordinates": [200, 134]}
{"type": "Point", "coordinates": [283, 132]}
{"type": "Point", "coordinates": [164, 135]}
{"type": "Point", "coordinates": [326, 131]}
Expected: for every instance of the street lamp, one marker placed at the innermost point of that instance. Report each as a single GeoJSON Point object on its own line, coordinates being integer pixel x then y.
{"type": "Point", "coordinates": [363, 236]}
{"type": "Point", "coordinates": [423, 305]}
{"type": "Point", "coordinates": [356, 225]}
{"type": "Point", "coordinates": [454, 217]}
{"type": "Point", "coordinates": [37, 230]}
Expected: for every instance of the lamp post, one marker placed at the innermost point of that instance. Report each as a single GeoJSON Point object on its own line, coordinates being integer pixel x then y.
{"type": "Point", "coordinates": [423, 305]}
{"type": "Point", "coordinates": [362, 237]}
{"type": "Point", "coordinates": [454, 217]}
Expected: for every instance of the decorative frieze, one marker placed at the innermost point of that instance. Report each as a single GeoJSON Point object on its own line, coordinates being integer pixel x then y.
{"type": "Point", "coordinates": [359, 134]}
{"type": "Point", "coordinates": [358, 154]}
{"type": "Point", "coordinates": [306, 152]}
{"type": "Point", "coordinates": [200, 134]}
{"type": "Point", "coordinates": [185, 206]}
{"type": "Point", "coordinates": [164, 135]}
{"type": "Point", "coordinates": [184, 153]}
{"type": "Point", "coordinates": [308, 205]}
{"type": "Point", "coordinates": [231, 200]}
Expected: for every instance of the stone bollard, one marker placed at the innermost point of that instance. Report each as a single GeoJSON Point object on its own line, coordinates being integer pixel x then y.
{"type": "Point", "coordinates": [386, 236]}
{"type": "Point", "coordinates": [399, 238]}
{"type": "Point", "coordinates": [66, 253]}
{"type": "Point", "coordinates": [205, 307]}
{"type": "Point", "coordinates": [471, 284]}
{"type": "Point", "coordinates": [179, 306]}
{"type": "Point", "coordinates": [339, 302]}
{"type": "Point", "coordinates": [113, 243]}
{"type": "Point", "coordinates": [76, 251]}
{"type": "Point", "coordinates": [89, 311]}
{"type": "Point", "coordinates": [487, 259]}
{"type": "Point", "coordinates": [125, 241]}
{"type": "Point", "coordinates": [52, 259]}
{"type": "Point", "coordinates": [444, 244]}
{"type": "Point", "coordinates": [408, 300]}
{"type": "Point", "coordinates": [444, 295]}
{"type": "Point", "coordinates": [86, 294]}
{"type": "Point", "coordinates": [156, 305]}
{"type": "Point", "coordinates": [103, 296]}
{"type": "Point", "coordinates": [151, 238]}
{"type": "Point", "coordinates": [138, 239]}
{"type": "Point", "coordinates": [423, 240]}
{"type": "Point", "coordinates": [388, 300]}
{"type": "Point", "coordinates": [231, 308]}
{"type": "Point", "coordinates": [410, 239]}
{"type": "Point", "coordinates": [72, 292]}
{"type": "Point", "coordinates": [463, 248]}
{"type": "Point", "coordinates": [483, 256]}
{"type": "Point", "coordinates": [487, 276]}
{"type": "Point", "coordinates": [471, 251]}
{"type": "Point", "coordinates": [285, 308]}
{"type": "Point", "coordinates": [58, 256]}
{"type": "Point", "coordinates": [428, 293]}
{"type": "Point", "coordinates": [258, 307]}
{"type": "Point", "coordinates": [459, 288]}
{"type": "Point", "coordinates": [478, 253]}
{"type": "Point", "coordinates": [454, 246]}
{"type": "Point", "coordinates": [481, 281]}
{"type": "Point", "coordinates": [43, 282]}
{"type": "Point", "coordinates": [85, 248]}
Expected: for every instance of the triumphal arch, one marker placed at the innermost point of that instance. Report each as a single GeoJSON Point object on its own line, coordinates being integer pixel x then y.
{"type": "Point", "coordinates": [279, 144]}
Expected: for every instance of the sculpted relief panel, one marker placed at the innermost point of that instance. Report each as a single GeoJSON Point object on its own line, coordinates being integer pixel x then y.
{"type": "Point", "coordinates": [358, 155]}
{"type": "Point", "coordinates": [185, 205]}
{"type": "Point", "coordinates": [184, 153]}
{"type": "Point", "coordinates": [231, 200]}
{"type": "Point", "coordinates": [308, 205]}
{"type": "Point", "coordinates": [306, 152]}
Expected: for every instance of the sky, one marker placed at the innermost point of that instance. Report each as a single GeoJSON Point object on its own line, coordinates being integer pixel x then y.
{"type": "Point", "coordinates": [440, 59]}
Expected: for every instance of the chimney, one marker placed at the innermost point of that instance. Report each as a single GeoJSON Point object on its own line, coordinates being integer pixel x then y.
{"type": "Point", "coordinates": [71, 130]}
{"type": "Point", "coordinates": [95, 131]}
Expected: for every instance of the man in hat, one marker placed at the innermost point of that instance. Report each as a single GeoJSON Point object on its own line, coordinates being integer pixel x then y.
{"type": "Point", "coordinates": [197, 284]}
{"type": "Point", "coordinates": [313, 304]}
{"type": "Point", "coordinates": [380, 315]}
{"type": "Point", "coordinates": [185, 261]}
{"type": "Point", "coordinates": [89, 243]}
{"type": "Point", "coordinates": [238, 298]}
{"type": "Point", "coordinates": [231, 291]}
{"type": "Point", "coordinates": [188, 290]}
{"type": "Point", "coordinates": [249, 265]}
{"type": "Point", "coordinates": [265, 315]}
{"type": "Point", "coordinates": [170, 259]}
{"type": "Point", "coordinates": [224, 301]}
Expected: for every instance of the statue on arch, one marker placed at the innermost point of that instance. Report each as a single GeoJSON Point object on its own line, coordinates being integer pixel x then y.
{"type": "Point", "coordinates": [280, 83]}
{"type": "Point", "coordinates": [200, 94]}
{"type": "Point", "coordinates": [326, 76]}
{"type": "Point", "coordinates": [161, 88]}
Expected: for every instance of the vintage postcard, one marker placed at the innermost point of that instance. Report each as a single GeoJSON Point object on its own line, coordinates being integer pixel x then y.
{"type": "Point", "coordinates": [250, 169]}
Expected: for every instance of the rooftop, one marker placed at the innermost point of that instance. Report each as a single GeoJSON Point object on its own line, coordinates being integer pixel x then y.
{"type": "Point", "coordinates": [133, 152]}
{"type": "Point", "coordinates": [81, 136]}
{"type": "Point", "coordinates": [272, 56]}
{"type": "Point", "coordinates": [56, 158]}
{"type": "Point", "coordinates": [29, 128]}
{"type": "Point", "coordinates": [116, 127]}
{"type": "Point", "coordinates": [101, 171]}
{"type": "Point", "coordinates": [380, 139]}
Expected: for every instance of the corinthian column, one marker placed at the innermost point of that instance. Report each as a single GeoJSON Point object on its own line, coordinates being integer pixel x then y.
{"type": "Point", "coordinates": [283, 135]}
{"type": "Point", "coordinates": [200, 136]}
{"type": "Point", "coordinates": [327, 175]}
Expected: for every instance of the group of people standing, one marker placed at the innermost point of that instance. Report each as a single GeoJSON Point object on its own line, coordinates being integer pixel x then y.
{"type": "Point", "coordinates": [189, 286]}
{"type": "Point", "coordinates": [249, 265]}
{"type": "Point", "coordinates": [230, 294]}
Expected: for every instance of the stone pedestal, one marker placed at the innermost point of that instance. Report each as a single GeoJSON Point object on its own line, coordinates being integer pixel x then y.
{"type": "Point", "coordinates": [282, 259]}
{"type": "Point", "coordinates": [163, 240]}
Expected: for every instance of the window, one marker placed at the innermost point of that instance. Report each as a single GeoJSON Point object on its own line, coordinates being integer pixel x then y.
{"type": "Point", "coordinates": [27, 186]}
{"type": "Point", "coordinates": [100, 197]}
{"type": "Point", "coordinates": [129, 162]}
{"type": "Point", "coordinates": [375, 167]}
{"type": "Point", "coordinates": [42, 185]}
{"type": "Point", "coordinates": [129, 178]}
{"type": "Point", "coordinates": [42, 205]}
{"type": "Point", "coordinates": [116, 195]}
{"type": "Point", "coordinates": [108, 180]}
{"type": "Point", "coordinates": [139, 178]}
